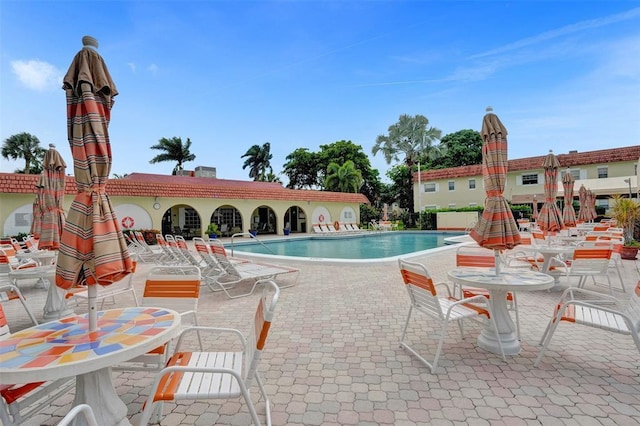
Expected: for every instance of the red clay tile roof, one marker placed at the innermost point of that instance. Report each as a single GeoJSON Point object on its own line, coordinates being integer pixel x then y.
{"type": "Point", "coordinates": [150, 185]}
{"type": "Point", "coordinates": [629, 153]}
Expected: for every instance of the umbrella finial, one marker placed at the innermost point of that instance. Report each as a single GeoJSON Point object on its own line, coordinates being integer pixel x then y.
{"type": "Point", "coordinates": [88, 41]}
{"type": "Point", "coordinates": [489, 109]}
{"type": "Point", "coordinates": [51, 145]}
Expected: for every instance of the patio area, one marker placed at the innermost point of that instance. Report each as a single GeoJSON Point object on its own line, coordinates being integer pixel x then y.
{"type": "Point", "coordinates": [333, 357]}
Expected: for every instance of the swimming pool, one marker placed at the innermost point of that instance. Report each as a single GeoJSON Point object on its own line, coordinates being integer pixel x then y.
{"type": "Point", "coordinates": [368, 246]}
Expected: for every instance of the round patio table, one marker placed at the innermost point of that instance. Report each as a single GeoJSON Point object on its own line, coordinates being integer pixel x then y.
{"type": "Point", "coordinates": [498, 285]}
{"type": "Point", "coordinates": [66, 348]}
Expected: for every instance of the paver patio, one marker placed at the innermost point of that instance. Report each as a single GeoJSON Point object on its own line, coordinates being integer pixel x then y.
{"type": "Point", "coordinates": [333, 358]}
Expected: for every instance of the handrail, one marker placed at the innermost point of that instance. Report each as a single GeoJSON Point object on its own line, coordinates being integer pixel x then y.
{"type": "Point", "coordinates": [249, 234]}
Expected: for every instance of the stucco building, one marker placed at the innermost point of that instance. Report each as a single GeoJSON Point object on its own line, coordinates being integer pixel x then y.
{"type": "Point", "coordinates": [606, 172]}
{"type": "Point", "coordinates": [187, 204]}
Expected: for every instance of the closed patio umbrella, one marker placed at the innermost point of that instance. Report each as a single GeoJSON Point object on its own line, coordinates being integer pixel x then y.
{"type": "Point", "coordinates": [583, 213]}
{"type": "Point", "coordinates": [92, 249]}
{"type": "Point", "coordinates": [535, 208]}
{"type": "Point", "coordinates": [496, 228]}
{"type": "Point", "coordinates": [568, 212]}
{"type": "Point", "coordinates": [36, 221]}
{"type": "Point", "coordinates": [53, 193]}
{"type": "Point", "coordinates": [550, 217]}
{"type": "Point", "coordinates": [591, 204]}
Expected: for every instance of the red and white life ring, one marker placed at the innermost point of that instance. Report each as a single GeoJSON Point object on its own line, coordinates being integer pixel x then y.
{"type": "Point", "coordinates": [321, 218]}
{"type": "Point", "coordinates": [127, 222]}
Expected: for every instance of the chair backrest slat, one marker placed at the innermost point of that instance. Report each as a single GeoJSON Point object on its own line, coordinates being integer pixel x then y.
{"type": "Point", "coordinates": [420, 287]}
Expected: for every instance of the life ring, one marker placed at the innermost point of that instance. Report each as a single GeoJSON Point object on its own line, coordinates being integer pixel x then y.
{"type": "Point", "coordinates": [321, 218]}
{"type": "Point", "coordinates": [336, 225]}
{"type": "Point", "coordinates": [128, 222]}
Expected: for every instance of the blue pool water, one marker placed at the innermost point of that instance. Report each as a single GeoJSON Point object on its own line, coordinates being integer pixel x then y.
{"type": "Point", "coordinates": [364, 246]}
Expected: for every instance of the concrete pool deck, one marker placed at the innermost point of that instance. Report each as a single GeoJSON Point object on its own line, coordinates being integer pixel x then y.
{"type": "Point", "coordinates": [333, 358]}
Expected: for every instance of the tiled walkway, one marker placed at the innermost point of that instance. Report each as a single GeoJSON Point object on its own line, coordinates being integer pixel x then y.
{"type": "Point", "coordinates": [333, 358]}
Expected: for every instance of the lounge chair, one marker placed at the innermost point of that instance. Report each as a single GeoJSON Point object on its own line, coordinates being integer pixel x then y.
{"type": "Point", "coordinates": [318, 229]}
{"type": "Point", "coordinates": [233, 273]}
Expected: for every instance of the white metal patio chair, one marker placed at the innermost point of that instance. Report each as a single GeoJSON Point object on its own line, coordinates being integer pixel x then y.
{"type": "Point", "coordinates": [76, 412]}
{"type": "Point", "coordinates": [80, 294]}
{"type": "Point", "coordinates": [171, 287]}
{"type": "Point", "coordinates": [218, 375]}
{"type": "Point", "coordinates": [443, 309]}
{"type": "Point", "coordinates": [585, 262]}
{"type": "Point", "coordinates": [479, 257]}
{"type": "Point", "coordinates": [21, 401]}
{"type": "Point", "coordinates": [596, 310]}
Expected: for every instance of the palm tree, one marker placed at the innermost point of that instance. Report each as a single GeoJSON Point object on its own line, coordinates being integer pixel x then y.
{"type": "Point", "coordinates": [345, 178]}
{"type": "Point", "coordinates": [272, 177]}
{"type": "Point", "coordinates": [174, 150]}
{"type": "Point", "coordinates": [258, 161]}
{"type": "Point", "coordinates": [412, 137]}
{"type": "Point", "coordinates": [26, 146]}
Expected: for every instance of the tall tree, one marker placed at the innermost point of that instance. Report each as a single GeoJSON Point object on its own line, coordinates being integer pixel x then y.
{"type": "Point", "coordinates": [259, 161]}
{"type": "Point", "coordinates": [25, 146]}
{"type": "Point", "coordinates": [174, 150]}
{"type": "Point", "coordinates": [345, 178]}
{"type": "Point", "coordinates": [301, 169]}
{"type": "Point", "coordinates": [342, 151]}
{"type": "Point", "coordinates": [462, 148]}
{"type": "Point", "coordinates": [410, 137]}
{"type": "Point", "coordinates": [398, 191]}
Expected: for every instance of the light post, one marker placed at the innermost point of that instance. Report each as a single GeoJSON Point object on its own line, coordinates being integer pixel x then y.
{"type": "Point", "coordinates": [629, 182]}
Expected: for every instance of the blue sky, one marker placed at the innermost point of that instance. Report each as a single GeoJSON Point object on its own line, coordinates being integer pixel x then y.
{"type": "Point", "coordinates": [230, 74]}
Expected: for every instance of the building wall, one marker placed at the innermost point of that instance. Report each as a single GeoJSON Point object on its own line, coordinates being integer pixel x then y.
{"type": "Point", "coordinates": [137, 212]}
{"type": "Point", "coordinates": [515, 190]}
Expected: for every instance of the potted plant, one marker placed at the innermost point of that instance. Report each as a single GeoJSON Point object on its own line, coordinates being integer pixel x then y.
{"type": "Point", "coordinates": [626, 212]}
{"type": "Point", "coordinates": [213, 230]}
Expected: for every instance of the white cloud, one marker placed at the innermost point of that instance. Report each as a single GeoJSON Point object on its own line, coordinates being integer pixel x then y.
{"type": "Point", "coordinates": [37, 75]}
{"type": "Point", "coordinates": [153, 68]}
{"type": "Point", "coordinates": [132, 66]}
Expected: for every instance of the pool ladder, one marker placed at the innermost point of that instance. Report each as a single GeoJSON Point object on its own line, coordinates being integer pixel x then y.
{"type": "Point", "coordinates": [253, 237]}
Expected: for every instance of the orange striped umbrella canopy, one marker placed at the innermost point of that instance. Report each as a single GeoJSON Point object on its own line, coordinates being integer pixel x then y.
{"type": "Point", "coordinates": [92, 247]}
{"type": "Point", "coordinates": [550, 217]}
{"type": "Point", "coordinates": [53, 193]}
{"type": "Point", "coordinates": [568, 212]}
{"type": "Point", "coordinates": [583, 213]}
{"type": "Point", "coordinates": [496, 228]}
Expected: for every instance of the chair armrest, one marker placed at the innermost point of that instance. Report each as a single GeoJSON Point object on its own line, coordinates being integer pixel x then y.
{"type": "Point", "coordinates": [591, 305]}
{"type": "Point", "coordinates": [445, 285]}
{"type": "Point", "coordinates": [568, 295]}
{"type": "Point", "coordinates": [212, 330]}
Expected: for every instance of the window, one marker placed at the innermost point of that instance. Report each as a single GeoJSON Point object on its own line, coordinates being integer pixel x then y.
{"type": "Point", "coordinates": [472, 184]}
{"type": "Point", "coordinates": [452, 185]}
{"type": "Point", "coordinates": [473, 204]}
{"type": "Point", "coordinates": [430, 187]}
{"type": "Point", "coordinates": [531, 179]}
{"type": "Point", "coordinates": [452, 205]}
{"type": "Point", "coordinates": [574, 172]}
{"type": "Point", "coordinates": [603, 172]}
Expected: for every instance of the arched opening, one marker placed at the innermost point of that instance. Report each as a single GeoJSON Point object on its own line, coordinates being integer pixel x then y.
{"type": "Point", "coordinates": [182, 219]}
{"type": "Point", "coordinates": [295, 220]}
{"type": "Point", "coordinates": [263, 220]}
{"type": "Point", "coordinates": [228, 219]}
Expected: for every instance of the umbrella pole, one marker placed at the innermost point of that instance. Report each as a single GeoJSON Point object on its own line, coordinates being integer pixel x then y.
{"type": "Point", "coordinates": [93, 315]}
{"type": "Point", "coordinates": [497, 262]}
